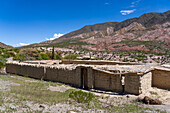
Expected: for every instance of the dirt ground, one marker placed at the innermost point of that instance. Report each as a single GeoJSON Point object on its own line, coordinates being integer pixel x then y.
{"type": "Point", "coordinates": [21, 94]}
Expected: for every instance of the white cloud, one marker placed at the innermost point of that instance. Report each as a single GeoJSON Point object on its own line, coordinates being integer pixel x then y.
{"type": "Point", "coordinates": [55, 36]}
{"type": "Point", "coordinates": [58, 35]}
{"type": "Point", "coordinates": [126, 12]}
{"type": "Point", "coordinates": [106, 3]}
{"type": "Point", "coordinates": [133, 4]}
{"type": "Point", "coordinates": [20, 44]}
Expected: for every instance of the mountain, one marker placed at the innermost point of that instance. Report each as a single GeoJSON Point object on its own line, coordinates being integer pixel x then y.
{"type": "Point", "coordinates": [2, 45]}
{"type": "Point", "coordinates": [149, 32]}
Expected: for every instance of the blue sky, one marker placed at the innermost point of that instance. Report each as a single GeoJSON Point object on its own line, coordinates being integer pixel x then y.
{"type": "Point", "coordinates": [33, 21]}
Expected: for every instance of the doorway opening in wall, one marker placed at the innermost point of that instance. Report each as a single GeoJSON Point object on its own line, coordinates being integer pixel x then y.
{"type": "Point", "coordinates": [84, 78]}
{"type": "Point", "coordinates": [123, 82]}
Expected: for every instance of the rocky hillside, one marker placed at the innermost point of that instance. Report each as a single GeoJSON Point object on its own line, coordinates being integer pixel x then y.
{"type": "Point", "coordinates": [2, 45]}
{"type": "Point", "coordinates": [149, 32]}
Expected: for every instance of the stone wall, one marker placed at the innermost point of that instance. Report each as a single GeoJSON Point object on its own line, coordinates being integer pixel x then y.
{"type": "Point", "coordinates": [161, 78]}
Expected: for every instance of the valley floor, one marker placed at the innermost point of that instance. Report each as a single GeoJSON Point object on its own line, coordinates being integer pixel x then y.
{"type": "Point", "coordinates": [22, 94]}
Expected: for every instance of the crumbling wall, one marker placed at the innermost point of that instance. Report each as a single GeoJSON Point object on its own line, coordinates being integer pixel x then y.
{"type": "Point", "coordinates": [137, 83]}
{"type": "Point", "coordinates": [107, 81]}
{"type": "Point", "coordinates": [64, 75]}
{"type": "Point", "coordinates": [146, 82]}
{"type": "Point", "coordinates": [161, 78]}
{"type": "Point", "coordinates": [34, 71]}
{"type": "Point", "coordinates": [93, 78]}
{"type": "Point", "coordinates": [12, 68]}
{"type": "Point", "coordinates": [96, 62]}
{"type": "Point", "coordinates": [132, 83]}
{"type": "Point", "coordinates": [90, 78]}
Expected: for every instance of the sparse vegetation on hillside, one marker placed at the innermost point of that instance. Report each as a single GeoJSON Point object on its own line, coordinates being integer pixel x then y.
{"type": "Point", "coordinates": [71, 56]}
{"type": "Point", "coordinates": [30, 54]}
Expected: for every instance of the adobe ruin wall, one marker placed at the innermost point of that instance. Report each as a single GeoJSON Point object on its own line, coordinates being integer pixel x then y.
{"type": "Point", "coordinates": [91, 77]}
{"type": "Point", "coordinates": [161, 78]}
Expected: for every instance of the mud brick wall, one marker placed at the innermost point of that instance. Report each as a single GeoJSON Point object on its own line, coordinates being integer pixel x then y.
{"type": "Point", "coordinates": [107, 81]}
{"type": "Point", "coordinates": [93, 78]}
{"type": "Point", "coordinates": [12, 68]}
{"type": "Point", "coordinates": [132, 83]}
{"type": "Point", "coordinates": [146, 82]}
{"type": "Point", "coordinates": [90, 78]}
{"type": "Point", "coordinates": [34, 71]}
{"type": "Point", "coordinates": [161, 78]}
{"type": "Point", "coordinates": [96, 62]}
{"type": "Point", "coordinates": [64, 75]}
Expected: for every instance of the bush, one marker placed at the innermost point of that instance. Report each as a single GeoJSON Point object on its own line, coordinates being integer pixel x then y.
{"type": "Point", "coordinates": [44, 56]}
{"type": "Point", "coordinates": [125, 60]}
{"type": "Point", "coordinates": [58, 57]}
{"type": "Point", "coordinates": [20, 57]}
{"type": "Point", "coordinates": [11, 53]}
{"type": "Point", "coordinates": [1, 51]}
{"type": "Point", "coordinates": [6, 55]}
{"type": "Point", "coordinates": [30, 54]}
{"type": "Point", "coordinates": [81, 97]}
{"type": "Point", "coordinates": [2, 62]}
{"type": "Point", "coordinates": [72, 56]}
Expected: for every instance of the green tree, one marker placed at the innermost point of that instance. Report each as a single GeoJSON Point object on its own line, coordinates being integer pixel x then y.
{"type": "Point", "coordinates": [53, 53]}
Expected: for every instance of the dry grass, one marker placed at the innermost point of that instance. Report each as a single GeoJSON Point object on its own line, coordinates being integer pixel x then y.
{"type": "Point", "coordinates": [36, 91]}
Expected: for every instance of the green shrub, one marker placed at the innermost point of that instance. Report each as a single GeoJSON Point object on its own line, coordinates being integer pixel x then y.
{"type": "Point", "coordinates": [1, 51]}
{"type": "Point", "coordinates": [44, 56]}
{"type": "Point", "coordinates": [6, 55]}
{"type": "Point", "coordinates": [11, 53]}
{"type": "Point", "coordinates": [2, 62]}
{"type": "Point", "coordinates": [30, 54]}
{"type": "Point", "coordinates": [72, 56]}
{"type": "Point", "coordinates": [58, 57]}
{"type": "Point", "coordinates": [81, 97]}
{"type": "Point", "coordinates": [20, 57]}
{"type": "Point", "coordinates": [125, 60]}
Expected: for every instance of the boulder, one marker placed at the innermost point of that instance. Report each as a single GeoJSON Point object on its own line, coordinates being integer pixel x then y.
{"type": "Point", "coordinates": [148, 100]}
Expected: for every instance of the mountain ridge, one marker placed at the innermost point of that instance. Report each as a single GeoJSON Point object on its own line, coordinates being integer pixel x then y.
{"type": "Point", "coordinates": [154, 27]}
{"type": "Point", "coordinates": [128, 21]}
{"type": "Point", "coordinates": [2, 45]}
